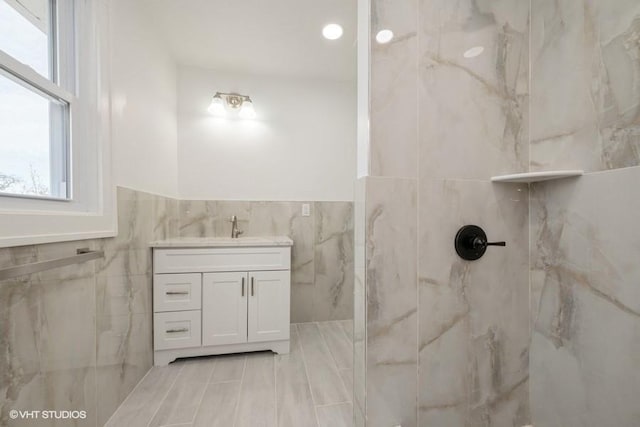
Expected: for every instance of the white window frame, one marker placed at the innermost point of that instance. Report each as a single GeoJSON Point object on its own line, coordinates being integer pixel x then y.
{"type": "Point", "coordinates": [82, 83]}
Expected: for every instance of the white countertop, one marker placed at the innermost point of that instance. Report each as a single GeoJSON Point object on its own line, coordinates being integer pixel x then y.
{"type": "Point", "coordinates": [222, 242]}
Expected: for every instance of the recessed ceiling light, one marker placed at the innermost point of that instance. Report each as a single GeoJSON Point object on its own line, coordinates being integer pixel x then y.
{"type": "Point", "coordinates": [473, 52]}
{"type": "Point", "coordinates": [384, 36]}
{"type": "Point", "coordinates": [332, 31]}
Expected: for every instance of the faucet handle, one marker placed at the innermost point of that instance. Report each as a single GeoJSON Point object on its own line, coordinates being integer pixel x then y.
{"type": "Point", "coordinates": [233, 218]}
{"type": "Point", "coordinates": [239, 232]}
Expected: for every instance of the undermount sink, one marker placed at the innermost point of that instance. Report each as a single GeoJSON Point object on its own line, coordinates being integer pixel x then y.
{"type": "Point", "coordinates": [222, 242]}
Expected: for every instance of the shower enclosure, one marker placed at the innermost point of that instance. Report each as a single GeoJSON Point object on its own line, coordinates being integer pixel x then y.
{"type": "Point", "coordinates": [545, 331]}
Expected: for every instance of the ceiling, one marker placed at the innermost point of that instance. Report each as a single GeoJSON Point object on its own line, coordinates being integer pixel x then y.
{"type": "Point", "coordinates": [272, 37]}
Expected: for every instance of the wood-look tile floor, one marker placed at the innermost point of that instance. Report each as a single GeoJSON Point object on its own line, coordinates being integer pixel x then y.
{"type": "Point", "coordinates": [309, 387]}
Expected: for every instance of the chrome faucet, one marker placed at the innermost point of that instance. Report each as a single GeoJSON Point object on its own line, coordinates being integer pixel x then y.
{"type": "Point", "coordinates": [235, 232]}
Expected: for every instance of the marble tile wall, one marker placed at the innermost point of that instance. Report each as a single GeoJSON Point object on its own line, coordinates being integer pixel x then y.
{"type": "Point", "coordinates": [473, 320]}
{"type": "Point", "coordinates": [585, 114]}
{"type": "Point", "coordinates": [391, 302]}
{"type": "Point", "coordinates": [474, 324]}
{"type": "Point", "coordinates": [585, 84]}
{"type": "Point", "coordinates": [585, 369]}
{"type": "Point", "coordinates": [79, 337]}
{"type": "Point", "coordinates": [322, 258]}
{"type": "Point", "coordinates": [446, 340]}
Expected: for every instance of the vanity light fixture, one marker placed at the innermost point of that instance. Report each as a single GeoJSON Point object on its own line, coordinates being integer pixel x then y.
{"type": "Point", "coordinates": [332, 31]}
{"type": "Point", "coordinates": [241, 104]}
{"type": "Point", "coordinates": [384, 36]}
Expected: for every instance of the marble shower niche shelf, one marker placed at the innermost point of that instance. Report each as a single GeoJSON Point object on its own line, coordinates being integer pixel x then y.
{"type": "Point", "coordinates": [530, 177]}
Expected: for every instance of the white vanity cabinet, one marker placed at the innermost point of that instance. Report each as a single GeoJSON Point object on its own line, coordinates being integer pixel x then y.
{"type": "Point", "coordinates": [216, 296]}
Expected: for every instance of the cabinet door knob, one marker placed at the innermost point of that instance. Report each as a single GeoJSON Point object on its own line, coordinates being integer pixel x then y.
{"type": "Point", "coordinates": [252, 286]}
{"type": "Point", "coordinates": [243, 286]}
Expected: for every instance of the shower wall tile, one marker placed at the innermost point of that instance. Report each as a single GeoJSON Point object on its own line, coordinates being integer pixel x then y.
{"type": "Point", "coordinates": [322, 254]}
{"type": "Point", "coordinates": [585, 369]}
{"type": "Point", "coordinates": [360, 304]}
{"type": "Point", "coordinates": [392, 302]}
{"type": "Point", "coordinates": [473, 111]}
{"type": "Point", "coordinates": [393, 87]}
{"type": "Point", "coordinates": [585, 84]}
{"type": "Point", "coordinates": [474, 327]}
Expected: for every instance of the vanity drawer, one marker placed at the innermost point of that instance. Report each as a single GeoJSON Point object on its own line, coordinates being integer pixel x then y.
{"type": "Point", "coordinates": [210, 260]}
{"type": "Point", "coordinates": [176, 329]}
{"type": "Point", "coordinates": [176, 292]}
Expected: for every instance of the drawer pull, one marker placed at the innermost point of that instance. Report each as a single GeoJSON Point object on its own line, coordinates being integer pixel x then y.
{"type": "Point", "coordinates": [177, 292]}
{"type": "Point", "coordinates": [175, 331]}
{"type": "Point", "coordinates": [252, 290]}
{"type": "Point", "coordinates": [243, 286]}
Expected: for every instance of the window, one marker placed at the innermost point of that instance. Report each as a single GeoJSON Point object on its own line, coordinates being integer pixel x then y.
{"type": "Point", "coordinates": [35, 99]}
{"type": "Point", "coordinates": [55, 167]}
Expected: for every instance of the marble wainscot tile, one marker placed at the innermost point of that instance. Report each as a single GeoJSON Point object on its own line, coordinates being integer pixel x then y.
{"type": "Point", "coordinates": [333, 260]}
{"type": "Point", "coordinates": [123, 295]}
{"type": "Point", "coordinates": [197, 218]}
{"type": "Point", "coordinates": [585, 84]}
{"type": "Point", "coordinates": [474, 326]}
{"type": "Point", "coordinates": [128, 253]}
{"type": "Point", "coordinates": [585, 369]}
{"type": "Point", "coordinates": [328, 285]}
{"type": "Point", "coordinates": [124, 356]}
{"type": "Point", "coordinates": [166, 217]}
{"type": "Point", "coordinates": [391, 287]}
{"type": "Point", "coordinates": [393, 87]}
{"type": "Point", "coordinates": [49, 350]}
{"type": "Point", "coordinates": [473, 111]}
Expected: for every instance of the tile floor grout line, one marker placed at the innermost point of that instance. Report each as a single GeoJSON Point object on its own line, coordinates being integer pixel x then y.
{"type": "Point", "coordinates": [206, 387]}
{"type": "Point", "coordinates": [244, 369]}
{"type": "Point", "coordinates": [165, 395]}
{"type": "Point", "coordinates": [306, 372]}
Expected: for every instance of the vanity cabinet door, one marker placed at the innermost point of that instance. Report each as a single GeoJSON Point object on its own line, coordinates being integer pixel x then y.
{"type": "Point", "coordinates": [269, 293]}
{"type": "Point", "coordinates": [224, 308]}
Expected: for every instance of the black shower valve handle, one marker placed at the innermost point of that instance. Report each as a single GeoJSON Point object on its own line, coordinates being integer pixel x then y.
{"type": "Point", "coordinates": [478, 243]}
{"type": "Point", "coordinates": [471, 242]}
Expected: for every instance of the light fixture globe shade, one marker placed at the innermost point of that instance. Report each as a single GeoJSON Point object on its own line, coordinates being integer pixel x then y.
{"type": "Point", "coordinates": [247, 111]}
{"type": "Point", "coordinates": [332, 31]}
{"type": "Point", "coordinates": [217, 106]}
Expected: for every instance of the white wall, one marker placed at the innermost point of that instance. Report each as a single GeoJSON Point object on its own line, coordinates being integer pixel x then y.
{"type": "Point", "coordinates": [144, 123]}
{"type": "Point", "coordinates": [301, 146]}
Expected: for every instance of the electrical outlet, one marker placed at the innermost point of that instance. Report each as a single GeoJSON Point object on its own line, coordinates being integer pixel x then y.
{"type": "Point", "coordinates": [306, 209]}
